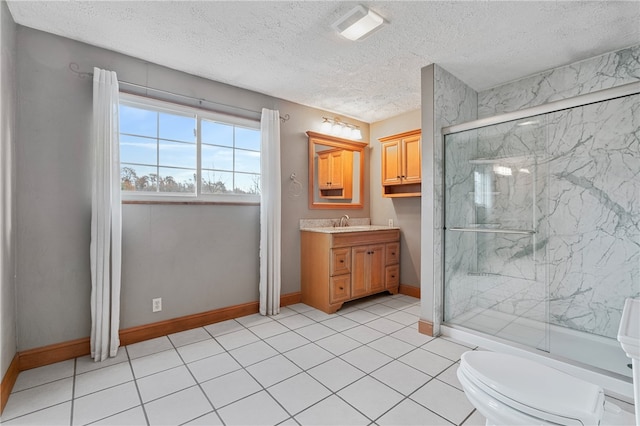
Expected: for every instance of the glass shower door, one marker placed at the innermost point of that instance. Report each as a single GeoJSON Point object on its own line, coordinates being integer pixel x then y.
{"type": "Point", "coordinates": [495, 236]}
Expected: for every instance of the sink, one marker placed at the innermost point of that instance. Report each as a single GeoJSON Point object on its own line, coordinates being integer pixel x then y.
{"type": "Point", "coordinates": [342, 229]}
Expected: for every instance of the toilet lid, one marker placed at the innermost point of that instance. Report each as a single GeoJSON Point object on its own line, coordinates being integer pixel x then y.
{"type": "Point", "coordinates": [534, 387]}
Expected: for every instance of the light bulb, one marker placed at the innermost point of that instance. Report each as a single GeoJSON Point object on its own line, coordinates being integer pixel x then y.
{"type": "Point", "coordinates": [336, 129]}
{"type": "Point", "coordinates": [356, 134]}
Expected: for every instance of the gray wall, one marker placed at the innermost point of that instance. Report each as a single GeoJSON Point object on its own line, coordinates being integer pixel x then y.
{"type": "Point", "coordinates": [7, 189]}
{"type": "Point", "coordinates": [197, 258]}
{"type": "Point", "coordinates": [405, 212]}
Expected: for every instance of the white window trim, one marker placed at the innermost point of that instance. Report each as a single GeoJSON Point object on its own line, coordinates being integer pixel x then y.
{"type": "Point", "coordinates": [164, 106]}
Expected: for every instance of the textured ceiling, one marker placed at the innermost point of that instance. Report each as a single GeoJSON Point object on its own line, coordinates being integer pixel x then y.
{"type": "Point", "coordinates": [288, 49]}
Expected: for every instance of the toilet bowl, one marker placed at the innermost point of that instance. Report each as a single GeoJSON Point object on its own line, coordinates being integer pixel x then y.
{"type": "Point", "coordinates": [510, 390]}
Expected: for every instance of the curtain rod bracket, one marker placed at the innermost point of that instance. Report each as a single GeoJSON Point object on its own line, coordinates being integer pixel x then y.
{"type": "Point", "coordinates": [284, 118]}
{"type": "Point", "coordinates": [75, 68]}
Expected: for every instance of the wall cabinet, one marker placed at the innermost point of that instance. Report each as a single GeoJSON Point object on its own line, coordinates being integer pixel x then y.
{"type": "Point", "coordinates": [338, 267]}
{"type": "Point", "coordinates": [402, 164]}
{"type": "Point", "coordinates": [335, 173]}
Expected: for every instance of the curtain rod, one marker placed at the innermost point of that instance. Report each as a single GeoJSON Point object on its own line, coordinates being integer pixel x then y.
{"type": "Point", "coordinates": [75, 68]}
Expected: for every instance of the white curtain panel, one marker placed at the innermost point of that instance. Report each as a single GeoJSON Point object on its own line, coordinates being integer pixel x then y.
{"type": "Point", "coordinates": [106, 218]}
{"type": "Point", "coordinates": [270, 227]}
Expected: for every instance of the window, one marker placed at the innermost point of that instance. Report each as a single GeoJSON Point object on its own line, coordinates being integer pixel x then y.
{"type": "Point", "coordinates": [172, 150]}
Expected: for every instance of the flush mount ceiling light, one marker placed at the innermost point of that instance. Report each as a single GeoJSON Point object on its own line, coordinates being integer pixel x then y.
{"type": "Point", "coordinates": [359, 23]}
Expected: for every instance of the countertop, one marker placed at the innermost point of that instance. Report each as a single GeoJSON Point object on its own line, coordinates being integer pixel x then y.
{"type": "Point", "coordinates": [343, 229]}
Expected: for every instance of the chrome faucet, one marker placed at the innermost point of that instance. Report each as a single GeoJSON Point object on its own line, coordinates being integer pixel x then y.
{"type": "Point", "coordinates": [344, 220]}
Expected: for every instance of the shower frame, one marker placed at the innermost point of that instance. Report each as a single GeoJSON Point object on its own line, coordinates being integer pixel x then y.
{"type": "Point", "coordinates": [610, 381]}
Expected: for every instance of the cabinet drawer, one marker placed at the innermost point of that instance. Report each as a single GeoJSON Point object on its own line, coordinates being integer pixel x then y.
{"type": "Point", "coordinates": [392, 253]}
{"type": "Point", "coordinates": [340, 288]}
{"type": "Point", "coordinates": [340, 261]}
{"type": "Point", "coordinates": [392, 276]}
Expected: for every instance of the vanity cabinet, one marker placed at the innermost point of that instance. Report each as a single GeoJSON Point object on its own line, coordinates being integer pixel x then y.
{"type": "Point", "coordinates": [402, 164]}
{"type": "Point", "coordinates": [340, 266]}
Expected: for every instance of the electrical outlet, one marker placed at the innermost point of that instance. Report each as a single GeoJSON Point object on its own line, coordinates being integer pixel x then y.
{"type": "Point", "coordinates": [157, 304]}
{"type": "Point", "coordinates": [390, 223]}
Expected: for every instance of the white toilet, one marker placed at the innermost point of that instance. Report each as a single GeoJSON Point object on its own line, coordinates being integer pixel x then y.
{"type": "Point", "coordinates": [510, 390]}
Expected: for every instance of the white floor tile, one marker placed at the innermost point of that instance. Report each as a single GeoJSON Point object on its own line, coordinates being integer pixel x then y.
{"type": "Point", "coordinates": [132, 417]}
{"type": "Point", "coordinates": [230, 388]}
{"type": "Point", "coordinates": [318, 315]}
{"type": "Point", "coordinates": [336, 374]}
{"type": "Point", "coordinates": [391, 346]}
{"type": "Point", "coordinates": [409, 412]}
{"type": "Point", "coordinates": [200, 350]}
{"type": "Point", "coordinates": [403, 318]}
{"type": "Point", "coordinates": [340, 323]}
{"type": "Point", "coordinates": [155, 363]}
{"type": "Point", "coordinates": [300, 307]}
{"type": "Point", "coordinates": [252, 353]}
{"type": "Point", "coordinates": [223, 327]}
{"type": "Point", "coordinates": [445, 400]}
{"type": "Point", "coordinates": [366, 359]}
{"type": "Point", "coordinates": [164, 383]}
{"type": "Point", "coordinates": [413, 309]}
{"type": "Point", "coordinates": [103, 378]}
{"type": "Point", "coordinates": [266, 330]}
{"type": "Point", "coordinates": [401, 377]}
{"type": "Point", "coordinates": [190, 336]}
{"type": "Point", "coordinates": [211, 419]}
{"type": "Point", "coordinates": [149, 347]}
{"type": "Point", "coordinates": [363, 334]}
{"type": "Point", "coordinates": [86, 363]}
{"type": "Point", "coordinates": [41, 375]}
{"type": "Point", "coordinates": [411, 335]}
{"type": "Point", "coordinates": [385, 326]}
{"type": "Point", "coordinates": [361, 316]}
{"type": "Point", "coordinates": [332, 412]}
{"type": "Point", "coordinates": [338, 344]}
{"type": "Point", "coordinates": [105, 403]}
{"type": "Point", "coordinates": [308, 356]}
{"type": "Point", "coordinates": [398, 303]}
{"type": "Point", "coordinates": [273, 370]}
{"type": "Point", "coordinates": [37, 398]}
{"type": "Point", "coordinates": [380, 309]}
{"type": "Point", "coordinates": [212, 367]}
{"type": "Point", "coordinates": [253, 319]}
{"type": "Point", "coordinates": [370, 397]}
{"type": "Point", "coordinates": [475, 419]}
{"type": "Point", "coordinates": [258, 409]}
{"type": "Point", "coordinates": [298, 392]}
{"type": "Point", "coordinates": [296, 321]}
{"type": "Point", "coordinates": [286, 341]}
{"type": "Point", "coordinates": [178, 408]}
{"type": "Point", "coordinates": [315, 331]}
{"type": "Point", "coordinates": [426, 361]}
{"type": "Point", "coordinates": [284, 312]}
{"type": "Point", "coordinates": [445, 348]}
{"type": "Point", "coordinates": [53, 416]}
{"type": "Point", "coordinates": [450, 376]}
{"type": "Point", "coordinates": [236, 339]}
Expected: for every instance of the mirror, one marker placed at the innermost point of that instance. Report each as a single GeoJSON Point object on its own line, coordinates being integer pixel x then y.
{"type": "Point", "coordinates": [336, 172]}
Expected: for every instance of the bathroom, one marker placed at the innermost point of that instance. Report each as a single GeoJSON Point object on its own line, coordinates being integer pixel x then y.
{"type": "Point", "coordinates": [43, 284]}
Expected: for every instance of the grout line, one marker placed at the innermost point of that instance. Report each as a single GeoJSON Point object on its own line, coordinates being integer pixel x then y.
{"type": "Point", "coordinates": [135, 383]}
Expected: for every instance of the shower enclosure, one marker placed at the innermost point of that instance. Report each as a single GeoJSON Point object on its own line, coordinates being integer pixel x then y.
{"type": "Point", "coordinates": [542, 226]}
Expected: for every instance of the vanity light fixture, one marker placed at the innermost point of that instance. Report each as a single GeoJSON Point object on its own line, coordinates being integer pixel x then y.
{"type": "Point", "coordinates": [336, 127]}
{"type": "Point", "coordinates": [359, 23]}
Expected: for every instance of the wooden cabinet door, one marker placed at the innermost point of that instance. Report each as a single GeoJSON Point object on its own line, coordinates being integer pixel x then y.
{"type": "Point", "coordinates": [337, 169]}
{"type": "Point", "coordinates": [359, 265]}
{"type": "Point", "coordinates": [392, 276]}
{"type": "Point", "coordinates": [340, 288]}
{"type": "Point", "coordinates": [391, 173]}
{"type": "Point", "coordinates": [411, 160]}
{"type": "Point", "coordinates": [376, 268]}
{"type": "Point", "coordinates": [340, 261]}
{"type": "Point", "coordinates": [392, 255]}
{"type": "Point", "coordinates": [324, 171]}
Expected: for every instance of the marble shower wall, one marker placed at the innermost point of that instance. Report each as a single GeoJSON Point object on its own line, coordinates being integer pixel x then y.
{"type": "Point", "coordinates": [594, 214]}
{"type": "Point", "coordinates": [602, 72]}
{"type": "Point", "coordinates": [591, 244]}
{"type": "Point", "coordinates": [454, 103]}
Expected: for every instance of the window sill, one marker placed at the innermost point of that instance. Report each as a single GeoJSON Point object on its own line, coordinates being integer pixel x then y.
{"type": "Point", "coordinates": [229, 200]}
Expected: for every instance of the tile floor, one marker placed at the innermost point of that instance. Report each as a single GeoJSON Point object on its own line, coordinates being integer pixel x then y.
{"type": "Point", "coordinates": [365, 365]}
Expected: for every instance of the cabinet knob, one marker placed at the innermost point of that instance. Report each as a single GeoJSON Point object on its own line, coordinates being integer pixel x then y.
{"type": "Point", "coordinates": [393, 253]}
{"type": "Point", "coordinates": [342, 261]}
{"type": "Point", "coordinates": [397, 177]}
{"type": "Point", "coordinates": [392, 276]}
{"type": "Point", "coordinates": [341, 288]}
